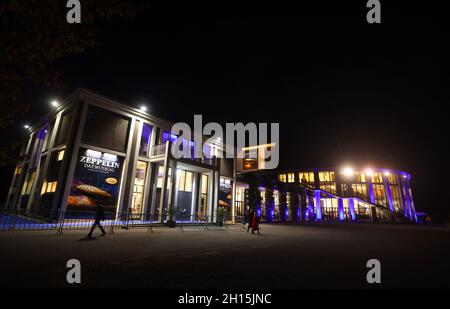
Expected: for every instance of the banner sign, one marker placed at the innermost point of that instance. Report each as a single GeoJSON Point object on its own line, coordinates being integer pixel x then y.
{"type": "Point", "coordinates": [96, 181]}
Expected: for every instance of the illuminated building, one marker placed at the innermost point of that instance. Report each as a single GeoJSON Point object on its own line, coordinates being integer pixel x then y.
{"type": "Point", "coordinates": [375, 195]}
{"type": "Point", "coordinates": [91, 149]}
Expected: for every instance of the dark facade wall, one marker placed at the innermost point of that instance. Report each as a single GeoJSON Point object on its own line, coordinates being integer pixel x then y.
{"type": "Point", "coordinates": [106, 129]}
{"type": "Point", "coordinates": [226, 167]}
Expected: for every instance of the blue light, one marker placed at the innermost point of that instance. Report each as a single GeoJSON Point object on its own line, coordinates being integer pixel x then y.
{"type": "Point", "coordinates": [318, 206]}
{"type": "Point", "coordinates": [341, 209]}
{"type": "Point", "coordinates": [351, 208]}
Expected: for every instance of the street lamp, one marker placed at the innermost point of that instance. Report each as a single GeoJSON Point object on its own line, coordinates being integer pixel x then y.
{"type": "Point", "coordinates": [347, 171]}
{"type": "Point", "coordinates": [369, 172]}
{"type": "Point", "coordinates": [55, 103]}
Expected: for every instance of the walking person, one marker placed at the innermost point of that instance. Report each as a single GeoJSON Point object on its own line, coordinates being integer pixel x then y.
{"type": "Point", "coordinates": [255, 223]}
{"type": "Point", "coordinates": [99, 216]}
{"type": "Point", "coordinates": [249, 219]}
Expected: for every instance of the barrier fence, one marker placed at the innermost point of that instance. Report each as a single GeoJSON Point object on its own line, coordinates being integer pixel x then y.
{"type": "Point", "coordinates": [22, 220]}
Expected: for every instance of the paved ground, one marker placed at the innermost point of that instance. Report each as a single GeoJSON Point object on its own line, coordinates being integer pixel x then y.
{"type": "Point", "coordinates": [284, 256]}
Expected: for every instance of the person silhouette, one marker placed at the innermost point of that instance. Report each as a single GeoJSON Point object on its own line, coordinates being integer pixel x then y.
{"type": "Point", "coordinates": [99, 216]}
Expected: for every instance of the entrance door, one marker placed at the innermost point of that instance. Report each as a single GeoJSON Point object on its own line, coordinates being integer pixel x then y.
{"type": "Point", "coordinates": [138, 188]}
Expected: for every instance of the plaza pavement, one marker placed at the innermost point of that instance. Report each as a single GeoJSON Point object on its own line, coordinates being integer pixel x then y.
{"type": "Point", "coordinates": [283, 256]}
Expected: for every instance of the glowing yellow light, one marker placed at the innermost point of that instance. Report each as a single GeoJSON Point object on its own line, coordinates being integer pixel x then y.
{"type": "Point", "coordinates": [369, 172]}
{"type": "Point", "coordinates": [347, 171]}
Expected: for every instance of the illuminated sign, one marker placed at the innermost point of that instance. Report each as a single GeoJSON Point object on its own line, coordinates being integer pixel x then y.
{"type": "Point", "coordinates": [96, 181]}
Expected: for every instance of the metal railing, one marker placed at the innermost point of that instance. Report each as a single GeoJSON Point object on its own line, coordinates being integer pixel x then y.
{"type": "Point", "coordinates": [158, 150]}
{"type": "Point", "coordinates": [23, 220]}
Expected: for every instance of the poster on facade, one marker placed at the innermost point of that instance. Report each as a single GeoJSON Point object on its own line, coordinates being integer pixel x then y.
{"type": "Point", "coordinates": [226, 193]}
{"type": "Point", "coordinates": [96, 180]}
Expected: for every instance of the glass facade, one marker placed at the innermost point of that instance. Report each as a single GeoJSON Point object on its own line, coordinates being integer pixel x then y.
{"type": "Point", "coordinates": [307, 178]}
{"type": "Point", "coordinates": [327, 181]}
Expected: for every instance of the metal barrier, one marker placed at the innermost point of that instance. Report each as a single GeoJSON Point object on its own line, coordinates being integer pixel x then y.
{"type": "Point", "coordinates": [26, 220]}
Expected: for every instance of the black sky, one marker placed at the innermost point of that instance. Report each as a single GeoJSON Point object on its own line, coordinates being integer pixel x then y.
{"type": "Point", "coordinates": [342, 90]}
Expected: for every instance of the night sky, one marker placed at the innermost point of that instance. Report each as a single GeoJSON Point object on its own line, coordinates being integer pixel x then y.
{"type": "Point", "coordinates": [344, 91]}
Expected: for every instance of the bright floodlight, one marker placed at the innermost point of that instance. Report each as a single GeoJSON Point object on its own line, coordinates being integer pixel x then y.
{"type": "Point", "coordinates": [386, 173]}
{"type": "Point", "coordinates": [143, 108]}
{"type": "Point", "coordinates": [347, 171]}
{"type": "Point", "coordinates": [369, 171]}
{"type": "Point", "coordinates": [26, 126]}
{"type": "Point", "coordinates": [55, 103]}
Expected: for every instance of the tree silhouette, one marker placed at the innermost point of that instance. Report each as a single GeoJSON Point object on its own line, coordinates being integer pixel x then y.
{"type": "Point", "coordinates": [35, 34]}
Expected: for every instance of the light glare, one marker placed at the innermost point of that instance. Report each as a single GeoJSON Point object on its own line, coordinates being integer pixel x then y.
{"type": "Point", "coordinates": [347, 171]}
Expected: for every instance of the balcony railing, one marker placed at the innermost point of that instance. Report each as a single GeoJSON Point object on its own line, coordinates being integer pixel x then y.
{"type": "Point", "coordinates": [160, 150]}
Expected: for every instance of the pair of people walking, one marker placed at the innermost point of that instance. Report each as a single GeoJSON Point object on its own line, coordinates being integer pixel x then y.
{"type": "Point", "coordinates": [253, 222]}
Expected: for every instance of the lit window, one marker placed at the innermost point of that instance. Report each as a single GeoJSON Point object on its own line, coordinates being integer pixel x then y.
{"type": "Point", "coordinates": [282, 177]}
{"type": "Point", "coordinates": [290, 177]}
{"type": "Point", "coordinates": [204, 184]}
{"type": "Point", "coordinates": [326, 176]}
{"type": "Point", "coordinates": [188, 183]}
{"type": "Point", "coordinates": [377, 178]}
{"type": "Point", "coordinates": [44, 187]}
{"type": "Point", "coordinates": [181, 180]}
{"type": "Point", "coordinates": [49, 187]}
{"type": "Point", "coordinates": [18, 170]}
{"type": "Point", "coordinates": [60, 155]}
{"type": "Point", "coordinates": [185, 181]}
{"type": "Point", "coordinates": [159, 181]}
{"type": "Point", "coordinates": [307, 177]}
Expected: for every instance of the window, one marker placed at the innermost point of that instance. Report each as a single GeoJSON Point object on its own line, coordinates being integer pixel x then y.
{"type": "Point", "coordinates": [331, 187]}
{"type": "Point", "coordinates": [49, 187]}
{"type": "Point", "coordinates": [250, 164]}
{"type": "Point", "coordinates": [396, 197]}
{"type": "Point", "coordinates": [138, 188]}
{"type": "Point", "coordinates": [64, 127]}
{"type": "Point", "coordinates": [377, 178]}
{"type": "Point", "coordinates": [392, 179]}
{"type": "Point", "coordinates": [290, 177]}
{"type": "Point", "coordinates": [60, 155]}
{"type": "Point", "coordinates": [204, 184]}
{"type": "Point", "coordinates": [360, 177]}
{"type": "Point", "coordinates": [160, 176]}
{"type": "Point", "coordinates": [184, 181]}
{"type": "Point", "coordinates": [327, 181]}
{"type": "Point", "coordinates": [307, 178]}
{"type": "Point", "coordinates": [145, 139]}
{"type": "Point", "coordinates": [360, 190]}
{"type": "Point", "coordinates": [326, 176]}
{"type": "Point", "coordinates": [26, 189]}
{"type": "Point", "coordinates": [203, 197]}
{"type": "Point", "coordinates": [379, 194]}
{"type": "Point", "coordinates": [282, 177]}
{"type": "Point", "coordinates": [166, 136]}
{"type": "Point", "coordinates": [18, 170]}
